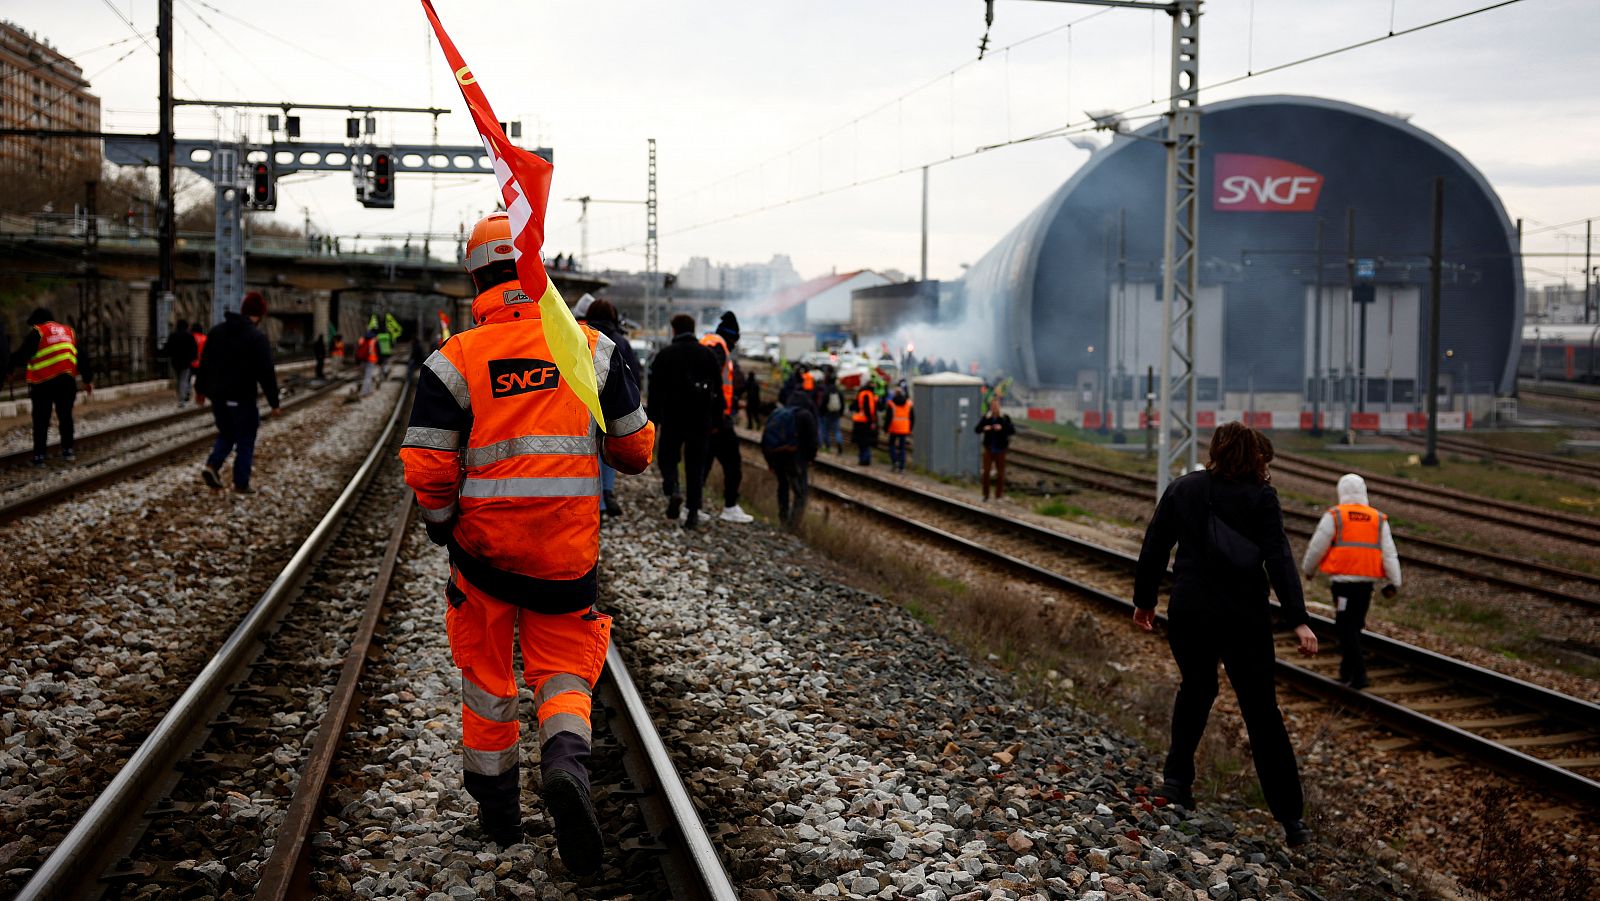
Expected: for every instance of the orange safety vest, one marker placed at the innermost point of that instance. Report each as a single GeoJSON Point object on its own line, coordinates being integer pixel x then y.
{"type": "Point", "coordinates": [808, 381]}
{"type": "Point", "coordinates": [900, 417]}
{"type": "Point", "coordinates": [866, 406]}
{"type": "Point", "coordinates": [1357, 548]}
{"type": "Point", "coordinates": [338, 348]}
{"type": "Point", "coordinates": [367, 350]}
{"type": "Point", "coordinates": [57, 353]}
{"type": "Point", "coordinates": [524, 479]}
{"type": "Point", "coordinates": [715, 342]}
{"type": "Point", "coordinates": [199, 348]}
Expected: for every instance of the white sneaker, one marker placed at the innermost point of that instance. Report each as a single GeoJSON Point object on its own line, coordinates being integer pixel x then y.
{"type": "Point", "coordinates": [736, 514]}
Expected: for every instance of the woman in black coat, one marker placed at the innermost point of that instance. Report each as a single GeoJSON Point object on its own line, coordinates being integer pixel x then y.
{"type": "Point", "coordinates": [1219, 611]}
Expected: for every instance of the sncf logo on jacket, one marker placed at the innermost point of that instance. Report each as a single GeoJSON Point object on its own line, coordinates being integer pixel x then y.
{"type": "Point", "coordinates": [511, 377]}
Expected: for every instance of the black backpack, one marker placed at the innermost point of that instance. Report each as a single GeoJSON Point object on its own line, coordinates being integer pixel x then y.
{"type": "Point", "coordinates": [782, 434]}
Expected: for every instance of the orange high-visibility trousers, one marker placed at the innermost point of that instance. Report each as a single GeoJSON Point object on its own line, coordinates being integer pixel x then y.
{"type": "Point", "coordinates": [562, 656]}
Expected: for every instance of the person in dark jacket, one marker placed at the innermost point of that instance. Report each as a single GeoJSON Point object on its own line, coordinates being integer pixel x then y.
{"type": "Point", "coordinates": [237, 359]}
{"type": "Point", "coordinates": [683, 399]}
{"type": "Point", "coordinates": [319, 351]}
{"type": "Point", "coordinates": [752, 401]}
{"type": "Point", "coordinates": [996, 429]}
{"type": "Point", "coordinates": [181, 351]}
{"type": "Point", "coordinates": [1219, 612]}
{"type": "Point", "coordinates": [603, 318]}
{"type": "Point", "coordinates": [790, 466]}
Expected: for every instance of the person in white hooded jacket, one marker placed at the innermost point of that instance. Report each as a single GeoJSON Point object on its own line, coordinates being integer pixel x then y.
{"type": "Point", "coordinates": [1353, 545]}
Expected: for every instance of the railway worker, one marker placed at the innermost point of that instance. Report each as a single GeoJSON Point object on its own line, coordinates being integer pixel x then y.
{"type": "Point", "coordinates": [182, 352]}
{"type": "Point", "coordinates": [724, 442]}
{"type": "Point", "coordinates": [1228, 528]}
{"type": "Point", "coordinates": [831, 409]}
{"type": "Point", "coordinates": [503, 458]}
{"type": "Point", "coordinates": [337, 350]}
{"type": "Point", "coordinates": [199, 333]}
{"type": "Point", "coordinates": [49, 352]}
{"type": "Point", "coordinates": [685, 398]}
{"type": "Point", "coordinates": [996, 429]}
{"type": "Point", "coordinates": [901, 418]}
{"type": "Point", "coordinates": [367, 353]}
{"type": "Point", "coordinates": [237, 359]}
{"type": "Point", "coordinates": [1354, 547]}
{"type": "Point", "coordinates": [864, 424]}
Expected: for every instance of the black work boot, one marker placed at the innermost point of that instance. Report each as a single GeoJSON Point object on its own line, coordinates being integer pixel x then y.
{"type": "Point", "coordinates": [1176, 795]}
{"type": "Point", "coordinates": [673, 504]}
{"type": "Point", "coordinates": [612, 507]}
{"type": "Point", "coordinates": [1296, 833]}
{"type": "Point", "coordinates": [499, 804]}
{"type": "Point", "coordinates": [566, 795]}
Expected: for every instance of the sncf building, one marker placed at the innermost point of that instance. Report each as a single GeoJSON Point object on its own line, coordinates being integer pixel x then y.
{"type": "Point", "coordinates": [1073, 290]}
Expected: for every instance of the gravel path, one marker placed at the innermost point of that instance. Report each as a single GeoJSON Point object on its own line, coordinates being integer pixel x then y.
{"type": "Point", "coordinates": [118, 597]}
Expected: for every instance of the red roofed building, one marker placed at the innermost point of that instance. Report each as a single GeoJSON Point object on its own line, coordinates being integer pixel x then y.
{"type": "Point", "coordinates": [820, 305]}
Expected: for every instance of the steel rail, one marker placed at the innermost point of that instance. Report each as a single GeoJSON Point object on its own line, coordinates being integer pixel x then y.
{"type": "Point", "coordinates": [1543, 462]}
{"type": "Point", "coordinates": [287, 871]}
{"type": "Point", "coordinates": [1308, 522]}
{"type": "Point", "coordinates": [93, 843]}
{"type": "Point", "coordinates": [1509, 760]}
{"type": "Point", "coordinates": [133, 466]}
{"type": "Point", "coordinates": [23, 455]}
{"type": "Point", "coordinates": [698, 872]}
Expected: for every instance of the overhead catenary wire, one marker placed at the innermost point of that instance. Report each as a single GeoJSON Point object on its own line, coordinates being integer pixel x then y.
{"type": "Point", "coordinates": [70, 59]}
{"type": "Point", "coordinates": [1073, 127]}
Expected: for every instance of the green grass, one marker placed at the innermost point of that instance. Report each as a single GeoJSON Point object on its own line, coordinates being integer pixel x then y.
{"type": "Point", "coordinates": [1059, 508]}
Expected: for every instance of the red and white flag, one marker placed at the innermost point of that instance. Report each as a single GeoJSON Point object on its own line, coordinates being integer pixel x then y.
{"type": "Point", "coordinates": [525, 191]}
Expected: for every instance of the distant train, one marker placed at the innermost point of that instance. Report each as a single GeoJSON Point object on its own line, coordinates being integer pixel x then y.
{"type": "Point", "coordinates": [1560, 353]}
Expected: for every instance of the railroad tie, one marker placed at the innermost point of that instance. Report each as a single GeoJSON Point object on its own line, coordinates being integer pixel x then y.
{"type": "Point", "coordinates": [1545, 741]}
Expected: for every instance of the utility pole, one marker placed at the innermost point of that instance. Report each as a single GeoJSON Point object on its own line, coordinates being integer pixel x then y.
{"type": "Point", "coordinates": [1180, 244]}
{"type": "Point", "coordinates": [1350, 302]}
{"type": "Point", "coordinates": [166, 213]}
{"type": "Point", "coordinates": [90, 316]}
{"type": "Point", "coordinates": [1436, 278]}
{"type": "Point", "coordinates": [925, 223]}
{"type": "Point", "coordinates": [1588, 270]}
{"type": "Point", "coordinates": [652, 249]}
{"type": "Point", "coordinates": [1316, 343]}
{"type": "Point", "coordinates": [1119, 436]}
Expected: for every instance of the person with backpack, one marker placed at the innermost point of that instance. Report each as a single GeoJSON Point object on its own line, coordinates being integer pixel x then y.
{"type": "Point", "coordinates": [685, 398]}
{"type": "Point", "coordinates": [789, 442]}
{"type": "Point", "coordinates": [1228, 527]}
{"type": "Point", "coordinates": [831, 411]}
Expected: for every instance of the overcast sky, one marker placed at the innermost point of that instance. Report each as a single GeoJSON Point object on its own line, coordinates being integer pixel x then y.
{"type": "Point", "coordinates": [756, 103]}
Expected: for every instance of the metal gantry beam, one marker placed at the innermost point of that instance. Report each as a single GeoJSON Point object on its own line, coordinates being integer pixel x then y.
{"type": "Point", "coordinates": [310, 156]}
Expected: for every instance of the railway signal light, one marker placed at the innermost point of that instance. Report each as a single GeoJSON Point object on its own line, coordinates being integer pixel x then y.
{"type": "Point", "coordinates": [380, 190]}
{"type": "Point", "coordinates": [263, 192]}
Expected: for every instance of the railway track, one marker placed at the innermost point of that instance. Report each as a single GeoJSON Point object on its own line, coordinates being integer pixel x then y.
{"type": "Point", "coordinates": [1496, 720]}
{"type": "Point", "coordinates": [138, 459]}
{"type": "Point", "coordinates": [1548, 464]}
{"type": "Point", "coordinates": [264, 695]}
{"type": "Point", "coordinates": [1566, 586]}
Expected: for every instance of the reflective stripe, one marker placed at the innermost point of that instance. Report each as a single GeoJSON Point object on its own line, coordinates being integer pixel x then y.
{"type": "Point", "coordinates": [574, 445]}
{"type": "Point", "coordinates": [563, 722]}
{"type": "Point", "coordinates": [453, 380]}
{"type": "Point", "coordinates": [53, 355]}
{"type": "Point", "coordinates": [603, 346]}
{"type": "Point", "coordinates": [490, 763]}
{"type": "Point", "coordinates": [560, 683]}
{"type": "Point", "coordinates": [489, 706]}
{"type": "Point", "coordinates": [443, 514]}
{"type": "Point", "coordinates": [581, 486]}
{"type": "Point", "coordinates": [484, 253]}
{"type": "Point", "coordinates": [627, 425]}
{"type": "Point", "coordinates": [437, 439]}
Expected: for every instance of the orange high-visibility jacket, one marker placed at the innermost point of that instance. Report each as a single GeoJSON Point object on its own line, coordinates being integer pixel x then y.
{"type": "Point", "coordinates": [866, 407]}
{"type": "Point", "coordinates": [199, 348]}
{"type": "Point", "coordinates": [502, 447]}
{"type": "Point", "coordinates": [57, 353]}
{"type": "Point", "coordinates": [900, 417]}
{"type": "Point", "coordinates": [1357, 548]}
{"type": "Point", "coordinates": [808, 381]}
{"type": "Point", "coordinates": [715, 342]}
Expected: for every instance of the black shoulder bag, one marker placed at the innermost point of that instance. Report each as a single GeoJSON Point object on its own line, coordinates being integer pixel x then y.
{"type": "Point", "coordinates": [1226, 547]}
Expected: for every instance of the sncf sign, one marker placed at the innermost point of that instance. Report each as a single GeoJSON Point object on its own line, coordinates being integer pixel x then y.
{"type": "Point", "coordinates": [1260, 184]}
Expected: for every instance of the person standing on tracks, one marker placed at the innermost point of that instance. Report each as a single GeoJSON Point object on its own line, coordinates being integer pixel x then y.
{"type": "Point", "coordinates": [996, 429]}
{"type": "Point", "coordinates": [602, 316]}
{"type": "Point", "coordinates": [724, 442]}
{"type": "Point", "coordinates": [367, 353]}
{"type": "Point", "coordinates": [1354, 547]}
{"type": "Point", "coordinates": [49, 352]}
{"type": "Point", "coordinates": [504, 459]}
{"type": "Point", "coordinates": [685, 399]}
{"type": "Point", "coordinates": [198, 332]}
{"type": "Point", "coordinates": [237, 359]}
{"type": "Point", "coordinates": [752, 401]}
{"type": "Point", "coordinates": [864, 423]}
{"type": "Point", "coordinates": [901, 418]}
{"type": "Point", "coordinates": [789, 444]}
{"type": "Point", "coordinates": [1228, 527]}
{"type": "Point", "coordinates": [830, 409]}
{"type": "Point", "coordinates": [181, 351]}
{"type": "Point", "coordinates": [319, 352]}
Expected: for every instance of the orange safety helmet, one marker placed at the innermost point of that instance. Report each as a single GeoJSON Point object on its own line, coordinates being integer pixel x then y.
{"type": "Point", "coordinates": [488, 245]}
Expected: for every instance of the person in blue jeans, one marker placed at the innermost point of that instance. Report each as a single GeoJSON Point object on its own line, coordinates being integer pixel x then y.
{"type": "Point", "coordinates": [602, 317]}
{"type": "Point", "coordinates": [236, 361]}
